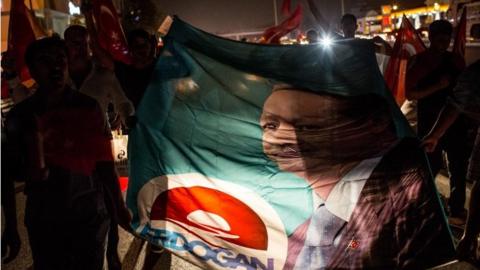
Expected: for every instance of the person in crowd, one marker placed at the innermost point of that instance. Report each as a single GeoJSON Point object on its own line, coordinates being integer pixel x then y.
{"type": "Point", "coordinates": [430, 79]}
{"type": "Point", "coordinates": [70, 172]}
{"type": "Point", "coordinates": [134, 77]}
{"type": "Point", "coordinates": [99, 82]}
{"type": "Point", "coordinates": [94, 78]}
{"type": "Point", "coordinates": [349, 27]}
{"type": "Point", "coordinates": [374, 202]}
{"type": "Point", "coordinates": [465, 99]}
{"type": "Point", "coordinates": [16, 90]}
{"type": "Point", "coordinates": [93, 75]}
{"type": "Point", "coordinates": [10, 238]}
{"type": "Point", "coordinates": [312, 36]}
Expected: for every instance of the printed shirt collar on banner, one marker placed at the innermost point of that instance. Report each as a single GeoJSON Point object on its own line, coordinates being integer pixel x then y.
{"type": "Point", "coordinates": [344, 196]}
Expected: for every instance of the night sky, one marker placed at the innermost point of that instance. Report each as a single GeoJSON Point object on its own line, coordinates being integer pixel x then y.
{"type": "Point", "coordinates": [222, 16]}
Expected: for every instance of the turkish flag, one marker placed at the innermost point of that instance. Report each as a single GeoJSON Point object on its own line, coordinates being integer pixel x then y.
{"type": "Point", "coordinates": [23, 29]}
{"type": "Point", "coordinates": [408, 43]}
{"type": "Point", "coordinates": [461, 36]}
{"type": "Point", "coordinates": [273, 34]}
{"type": "Point", "coordinates": [109, 30]}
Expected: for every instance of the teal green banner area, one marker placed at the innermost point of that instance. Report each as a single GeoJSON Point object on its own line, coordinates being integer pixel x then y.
{"type": "Point", "coordinates": [202, 185]}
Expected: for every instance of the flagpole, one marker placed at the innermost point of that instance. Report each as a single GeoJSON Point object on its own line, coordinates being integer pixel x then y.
{"type": "Point", "coordinates": [275, 15]}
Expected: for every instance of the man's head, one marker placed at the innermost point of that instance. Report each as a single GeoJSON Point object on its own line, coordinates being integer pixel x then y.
{"type": "Point", "coordinates": [312, 36]}
{"type": "Point", "coordinates": [475, 31]}
{"type": "Point", "coordinates": [47, 62]}
{"type": "Point", "coordinates": [141, 46]}
{"type": "Point", "coordinates": [440, 34]}
{"type": "Point", "coordinates": [305, 132]}
{"type": "Point", "coordinates": [349, 25]}
{"type": "Point", "coordinates": [76, 39]}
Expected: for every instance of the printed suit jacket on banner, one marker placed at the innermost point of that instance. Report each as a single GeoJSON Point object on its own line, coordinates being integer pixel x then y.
{"type": "Point", "coordinates": [396, 222]}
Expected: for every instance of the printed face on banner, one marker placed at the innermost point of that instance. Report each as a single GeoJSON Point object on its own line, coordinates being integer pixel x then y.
{"type": "Point", "coordinates": [306, 132]}
{"type": "Point", "coordinates": [213, 222]}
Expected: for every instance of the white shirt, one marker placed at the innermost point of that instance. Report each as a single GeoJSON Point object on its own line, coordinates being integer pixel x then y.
{"type": "Point", "coordinates": [345, 194]}
{"type": "Point", "coordinates": [102, 85]}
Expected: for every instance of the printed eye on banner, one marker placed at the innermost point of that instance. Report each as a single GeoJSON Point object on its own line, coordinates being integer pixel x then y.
{"type": "Point", "coordinates": [217, 223]}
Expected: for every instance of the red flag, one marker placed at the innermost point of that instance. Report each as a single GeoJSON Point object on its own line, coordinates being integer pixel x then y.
{"type": "Point", "coordinates": [461, 36]}
{"type": "Point", "coordinates": [5, 93]}
{"type": "Point", "coordinates": [22, 30]}
{"type": "Point", "coordinates": [408, 43]}
{"type": "Point", "coordinates": [123, 180]}
{"type": "Point", "coordinates": [286, 7]}
{"type": "Point", "coordinates": [273, 34]}
{"type": "Point", "coordinates": [109, 30]}
{"type": "Point", "coordinates": [75, 139]}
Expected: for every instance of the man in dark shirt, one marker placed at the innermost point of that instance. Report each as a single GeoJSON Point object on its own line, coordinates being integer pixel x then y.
{"type": "Point", "coordinates": [135, 77]}
{"type": "Point", "coordinates": [465, 100]}
{"type": "Point", "coordinates": [430, 79]}
{"type": "Point", "coordinates": [60, 139]}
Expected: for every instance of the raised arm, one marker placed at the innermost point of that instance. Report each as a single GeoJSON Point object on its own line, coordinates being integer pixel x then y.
{"type": "Point", "coordinates": [381, 46]}
{"type": "Point", "coordinates": [107, 174]}
{"type": "Point", "coordinates": [321, 21]}
{"type": "Point", "coordinates": [100, 55]}
{"type": "Point", "coordinates": [447, 117]}
{"type": "Point", "coordinates": [122, 104]}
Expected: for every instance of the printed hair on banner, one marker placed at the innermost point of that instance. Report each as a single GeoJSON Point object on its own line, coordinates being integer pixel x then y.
{"type": "Point", "coordinates": [249, 156]}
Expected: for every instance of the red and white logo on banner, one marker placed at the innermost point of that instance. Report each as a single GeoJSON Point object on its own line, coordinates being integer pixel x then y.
{"type": "Point", "coordinates": [213, 222]}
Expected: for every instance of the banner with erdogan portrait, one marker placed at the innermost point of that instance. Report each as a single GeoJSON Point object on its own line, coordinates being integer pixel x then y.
{"type": "Point", "coordinates": [250, 156]}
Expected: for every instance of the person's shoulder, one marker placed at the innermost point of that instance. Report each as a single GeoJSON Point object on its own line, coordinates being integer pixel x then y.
{"type": "Point", "coordinates": [417, 59]}
{"type": "Point", "coordinates": [20, 116]}
{"type": "Point", "coordinates": [25, 106]}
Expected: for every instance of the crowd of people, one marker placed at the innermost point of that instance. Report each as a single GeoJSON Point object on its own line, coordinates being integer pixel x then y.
{"type": "Point", "coordinates": [72, 217]}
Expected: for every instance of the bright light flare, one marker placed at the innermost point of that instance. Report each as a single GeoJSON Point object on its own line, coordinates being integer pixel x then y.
{"type": "Point", "coordinates": [326, 41]}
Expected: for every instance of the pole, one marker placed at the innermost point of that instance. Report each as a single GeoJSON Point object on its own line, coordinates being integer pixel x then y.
{"type": "Point", "coordinates": [343, 7]}
{"type": "Point", "coordinates": [275, 15]}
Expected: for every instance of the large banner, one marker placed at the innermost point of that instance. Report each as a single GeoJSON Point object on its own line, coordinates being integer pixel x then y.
{"type": "Point", "coordinates": [249, 156]}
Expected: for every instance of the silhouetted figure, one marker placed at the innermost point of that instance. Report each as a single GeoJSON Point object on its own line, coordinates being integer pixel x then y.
{"type": "Point", "coordinates": [465, 99]}
{"type": "Point", "coordinates": [69, 173]}
{"type": "Point", "coordinates": [430, 80]}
